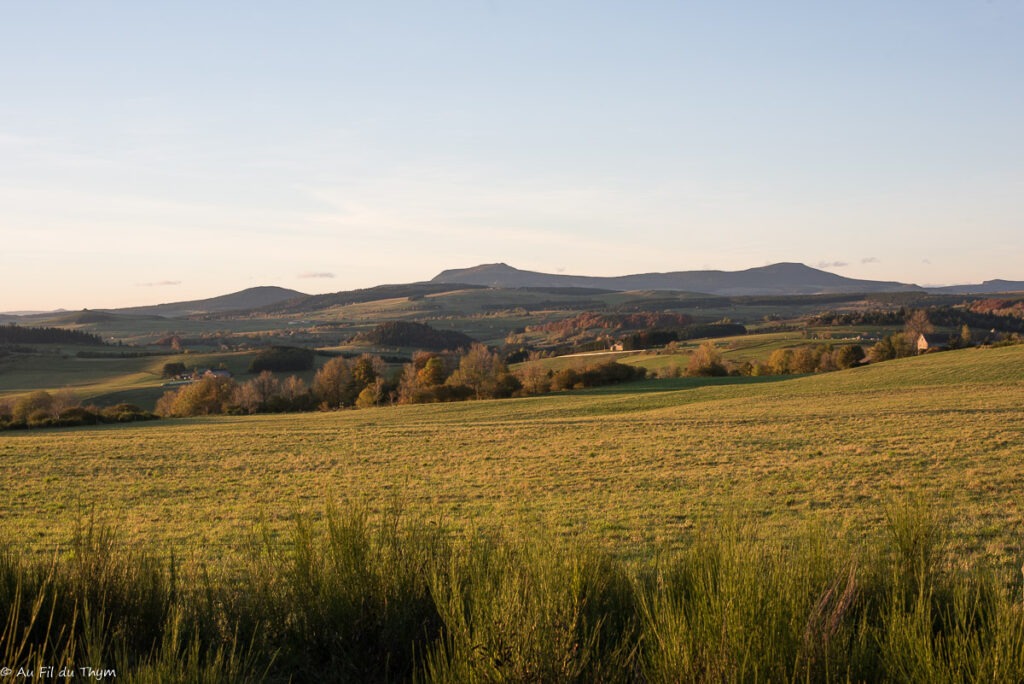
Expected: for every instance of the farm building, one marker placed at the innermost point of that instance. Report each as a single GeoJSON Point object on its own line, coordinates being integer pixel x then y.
{"type": "Point", "coordinates": [212, 373]}
{"type": "Point", "coordinates": [932, 342]}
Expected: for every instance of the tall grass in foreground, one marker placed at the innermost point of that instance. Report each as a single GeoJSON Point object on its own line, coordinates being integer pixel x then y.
{"type": "Point", "coordinates": [348, 599]}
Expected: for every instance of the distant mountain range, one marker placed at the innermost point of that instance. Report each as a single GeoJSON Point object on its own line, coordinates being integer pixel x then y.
{"type": "Point", "coordinates": [774, 280]}
{"type": "Point", "coordinates": [245, 300]}
{"type": "Point", "coordinates": [370, 294]}
{"type": "Point", "coordinates": [987, 287]}
{"type": "Point", "coordinates": [777, 279]}
{"type": "Point", "coordinates": [31, 313]}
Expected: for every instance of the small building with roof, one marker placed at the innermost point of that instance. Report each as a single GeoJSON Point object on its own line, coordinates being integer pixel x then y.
{"type": "Point", "coordinates": [931, 342]}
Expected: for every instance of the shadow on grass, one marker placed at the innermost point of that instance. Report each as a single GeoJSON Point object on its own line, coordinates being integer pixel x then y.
{"type": "Point", "coordinates": [672, 384]}
{"type": "Point", "coordinates": [145, 397]}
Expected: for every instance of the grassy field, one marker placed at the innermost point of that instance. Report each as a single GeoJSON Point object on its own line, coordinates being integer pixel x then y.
{"type": "Point", "coordinates": [487, 315]}
{"type": "Point", "coordinates": [738, 349]}
{"type": "Point", "coordinates": [345, 599]}
{"type": "Point", "coordinates": [838, 527]}
{"type": "Point", "coordinates": [142, 330]}
{"type": "Point", "coordinates": [633, 468]}
{"type": "Point", "coordinates": [138, 380]}
{"type": "Point", "coordinates": [108, 381]}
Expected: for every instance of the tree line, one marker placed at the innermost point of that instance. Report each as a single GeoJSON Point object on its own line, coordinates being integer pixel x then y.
{"type": "Point", "coordinates": [366, 381]}
{"type": "Point", "coordinates": [41, 409]}
{"type": "Point", "coordinates": [361, 382]}
{"type": "Point", "coordinates": [612, 321]}
{"type": "Point", "coordinates": [656, 337]}
{"type": "Point", "coordinates": [707, 361]}
{"type": "Point", "coordinates": [16, 334]}
{"type": "Point", "coordinates": [999, 315]}
{"type": "Point", "coordinates": [999, 307]}
{"type": "Point", "coordinates": [417, 335]}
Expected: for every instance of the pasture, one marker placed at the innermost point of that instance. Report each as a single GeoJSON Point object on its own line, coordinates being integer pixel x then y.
{"type": "Point", "coordinates": [736, 349]}
{"type": "Point", "coordinates": [635, 469]}
{"type": "Point", "coordinates": [862, 525]}
{"type": "Point", "coordinates": [108, 379]}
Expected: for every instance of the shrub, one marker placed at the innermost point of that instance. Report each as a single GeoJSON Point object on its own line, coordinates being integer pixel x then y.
{"type": "Point", "coordinates": [895, 346]}
{"type": "Point", "coordinates": [610, 373]}
{"type": "Point", "coordinates": [209, 395]}
{"type": "Point", "coordinates": [534, 376]}
{"type": "Point", "coordinates": [371, 395]}
{"type": "Point", "coordinates": [282, 359]}
{"type": "Point", "coordinates": [484, 373]}
{"type": "Point", "coordinates": [670, 371]}
{"type": "Point", "coordinates": [849, 356]}
{"type": "Point", "coordinates": [566, 379]}
{"type": "Point", "coordinates": [780, 362]}
{"type": "Point", "coordinates": [256, 395]}
{"type": "Point", "coordinates": [334, 385]}
{"type": "Point", "coordinates": [706, 360]}
{"type": "Point", "coordinates": [125, 413]}
{"type": "Point", "coordinates": [421, 379]}
{"type": "Point", "coordinates": [173, 370]}
{"type": "Point", "coordinates": [6, 409]}
{"type": "Point", "coordinates": [78, 415]}
{"type": "Point", "coordinates": [450, 392]}
{"type": "Point", "coordinates": [35, 403]}
{"type": "Point", "coordinates": [40, 418]}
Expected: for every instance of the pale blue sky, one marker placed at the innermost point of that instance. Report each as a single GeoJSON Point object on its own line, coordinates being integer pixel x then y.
{"type": "Point", "coordinates": [167, 151]}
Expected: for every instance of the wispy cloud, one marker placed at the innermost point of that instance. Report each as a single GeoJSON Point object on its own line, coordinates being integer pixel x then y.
{"type": "Point", "coordinates": [832, 264]}
{"type": "Point", "coordinates": [160, 283]}
{"type": "Point", "coordinates": [869, 260]}
{"type": "Point", "coordinates": [316, 275]}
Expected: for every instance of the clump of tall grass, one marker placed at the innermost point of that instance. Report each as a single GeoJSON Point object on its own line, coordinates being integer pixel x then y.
{"type": "Point", "coordinates": [102, 605]}
{"type": "Point", "coordinates": [533, 611]}
{"type": "Point", "coordinates": [938, 625]}
{"type": "Point", "coordinates": [354, 598]}
{"type": "Point", "coordinates": [735, 608]}
{"type": "Point", "coordinates": [347, 600]}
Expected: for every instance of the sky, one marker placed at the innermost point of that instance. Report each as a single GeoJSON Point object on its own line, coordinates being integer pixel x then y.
{"type": "Point", "coordinates": [166, 151]}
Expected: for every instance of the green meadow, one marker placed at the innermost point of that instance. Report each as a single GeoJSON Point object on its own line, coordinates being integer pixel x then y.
{"type": "Point", "coordinates": [860, 525]}
{"type": "Point", "coordinates": [634, 468]}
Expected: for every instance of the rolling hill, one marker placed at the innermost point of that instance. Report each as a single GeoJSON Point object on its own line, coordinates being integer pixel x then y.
{"type": "Point", "coordinates": [776, 279]}
{"type": "Point", "coordinates": [996, 286]}
{"type": "Point", "coordinates": [251, 298]}
{"type": "Point", "coordinates": [307, 303]}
